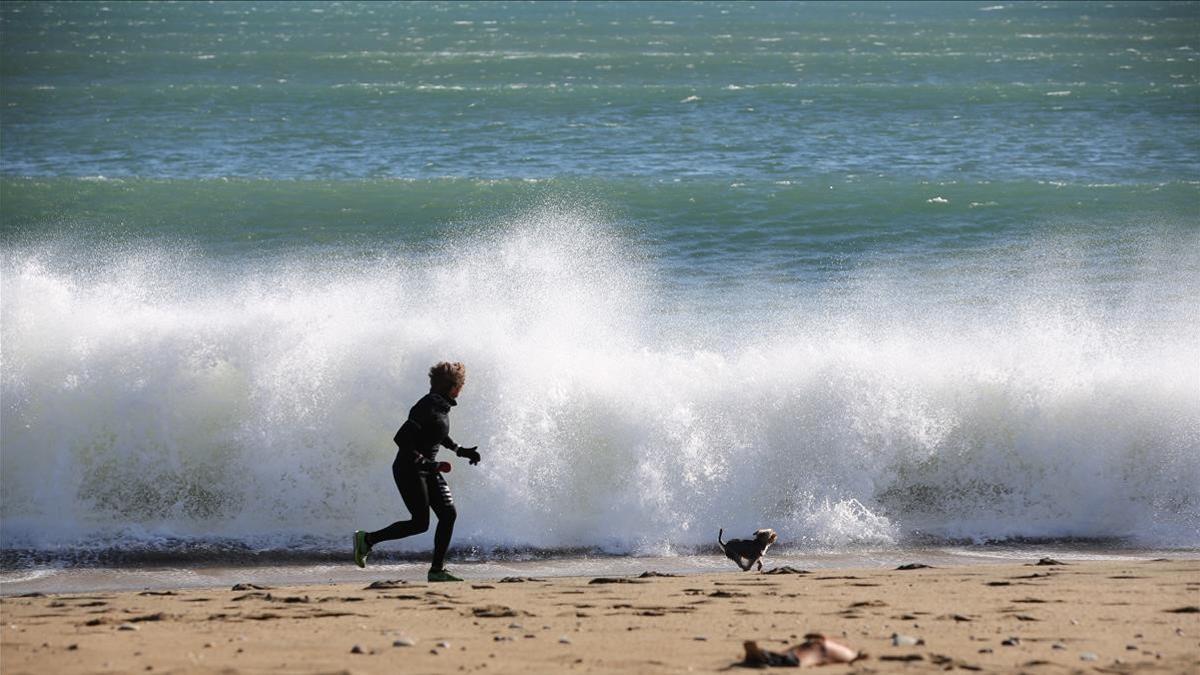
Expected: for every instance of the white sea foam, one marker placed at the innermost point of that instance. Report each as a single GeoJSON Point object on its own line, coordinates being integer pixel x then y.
{"type": "Point", "coordinates": [159, 395]}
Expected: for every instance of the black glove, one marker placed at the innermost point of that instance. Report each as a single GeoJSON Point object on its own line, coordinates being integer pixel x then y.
{"type": "Point", "coordinates": [471, 453]}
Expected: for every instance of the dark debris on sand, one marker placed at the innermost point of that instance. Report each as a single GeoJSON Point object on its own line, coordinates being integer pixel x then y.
{"type": "Point", "coordinates": [493, 611]}
{"type": "Point", "coordinates": [901, 657]}
{"type": "Point", "coordinates": [385, 584]}
{"type": "Point", "coordinates": [786, 569]}
{"type": "Point", "coordinates": [157, 616]}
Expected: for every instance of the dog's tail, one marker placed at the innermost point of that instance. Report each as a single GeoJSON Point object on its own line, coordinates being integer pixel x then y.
{"type": "Point", "coordinates": [720, 543]}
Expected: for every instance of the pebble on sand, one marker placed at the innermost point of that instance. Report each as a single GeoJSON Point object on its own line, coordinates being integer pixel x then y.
{"type": "Point", "coordinates": [403, 642]}
{"type": "Point", "coordinates": [356, 649]}
{"type": "Point", "coordinates": [899, 640]}
{"type": "Point", "coordinates": [1088, 656]}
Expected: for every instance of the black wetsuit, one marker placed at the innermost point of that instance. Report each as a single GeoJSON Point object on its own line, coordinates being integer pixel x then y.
{"type": "Point", "coordinates": [421, 486]}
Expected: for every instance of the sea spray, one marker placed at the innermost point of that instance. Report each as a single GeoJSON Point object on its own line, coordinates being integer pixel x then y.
{"type": "Point", "coordinates": [154, 395]}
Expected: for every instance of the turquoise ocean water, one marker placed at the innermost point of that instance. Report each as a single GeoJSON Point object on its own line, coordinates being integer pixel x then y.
{"type": "Point", "coordinates": [876, 275]}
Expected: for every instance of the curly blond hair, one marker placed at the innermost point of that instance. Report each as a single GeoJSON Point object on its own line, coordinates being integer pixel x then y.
{"type": "Point", "coordinates": [447, 376]}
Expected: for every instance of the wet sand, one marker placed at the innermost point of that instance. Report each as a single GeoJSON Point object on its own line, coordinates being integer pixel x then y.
{"type": "Point", "coordinates": [1116, 617]}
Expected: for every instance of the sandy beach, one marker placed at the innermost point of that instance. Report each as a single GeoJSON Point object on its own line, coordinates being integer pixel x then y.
{"type": "Point", "coordinates": [1139, 616]}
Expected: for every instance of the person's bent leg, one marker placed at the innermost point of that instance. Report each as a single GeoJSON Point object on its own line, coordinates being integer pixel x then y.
{"type": "Point", "coordinates": [416, 499]}
{"type": "Point", "coordinates": [442, 504]}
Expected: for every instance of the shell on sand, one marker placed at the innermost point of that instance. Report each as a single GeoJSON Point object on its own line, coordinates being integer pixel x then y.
{"type": "Point", "coordinates": [816, 650]}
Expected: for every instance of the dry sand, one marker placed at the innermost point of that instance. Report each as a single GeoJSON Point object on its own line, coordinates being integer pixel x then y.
{"type": "Point", "coordinates": [1084, 617]}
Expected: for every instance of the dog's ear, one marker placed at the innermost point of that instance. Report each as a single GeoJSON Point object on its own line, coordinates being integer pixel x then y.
{"type": "Point", "coordinates": [765, 535]}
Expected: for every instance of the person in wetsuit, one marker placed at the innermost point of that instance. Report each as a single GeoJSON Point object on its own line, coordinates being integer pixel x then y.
{"type": "Point", "coordinates": [418, 474]}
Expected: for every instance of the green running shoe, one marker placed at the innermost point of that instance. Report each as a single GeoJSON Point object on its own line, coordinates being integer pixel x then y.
{"type": "Point", "coordinates": [360, 548]}
{"type": "Point", "coordinates": [441, 575]}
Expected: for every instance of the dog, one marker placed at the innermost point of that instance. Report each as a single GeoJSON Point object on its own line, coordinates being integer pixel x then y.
{"type": "Point", "coordinates": [751, 550]}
